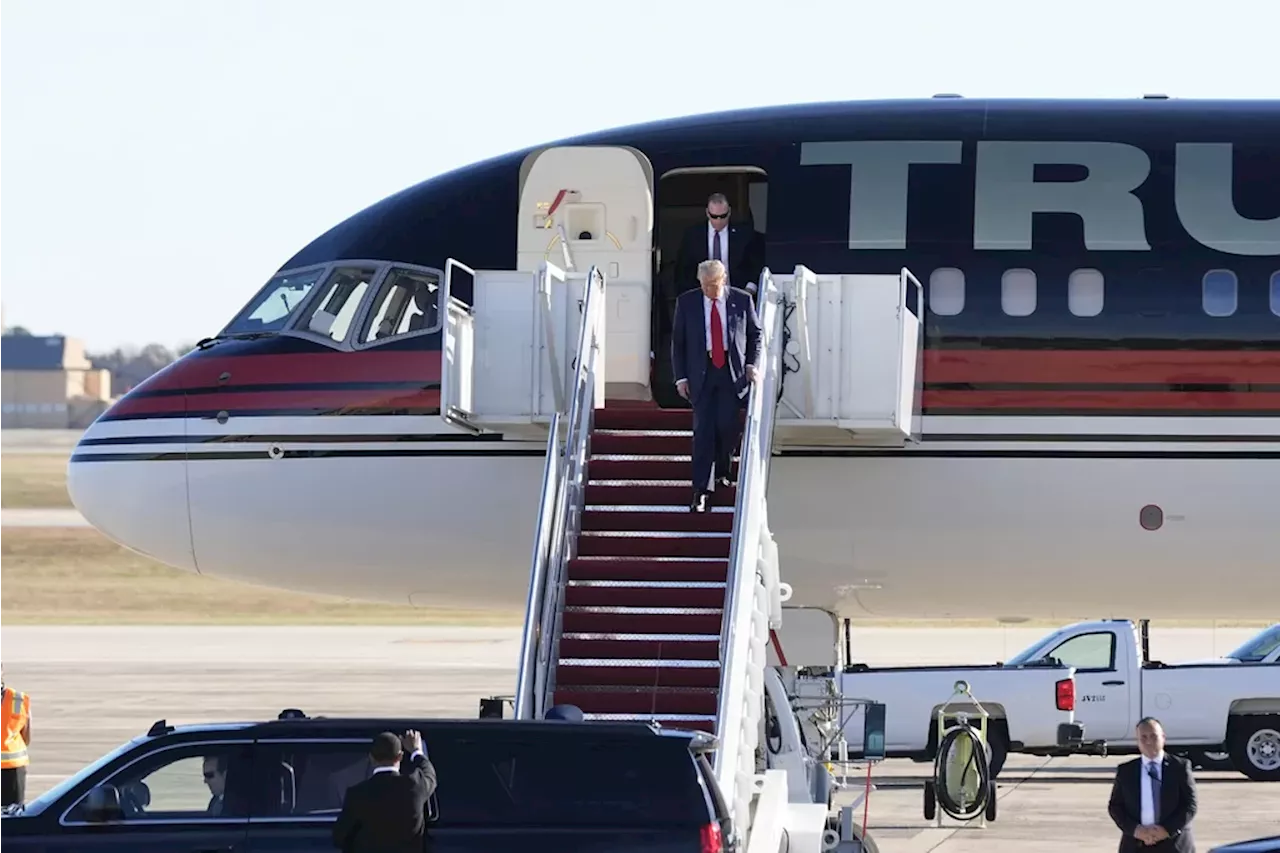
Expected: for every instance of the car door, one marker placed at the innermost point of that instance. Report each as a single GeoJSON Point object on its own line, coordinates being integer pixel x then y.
{"type": "Point", "coordinates": [185, 797]}
{"type": "Point", "coordinates": [304, 781]}
{"type": "Point", "coordinates": [1102, 685]}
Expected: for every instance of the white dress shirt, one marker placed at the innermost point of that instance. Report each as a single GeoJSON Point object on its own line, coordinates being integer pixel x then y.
{"type": "Point", "coordinates": [724, 248]}
{"type": "Point", "coordinates": [396, 769]}
{"type": "Point", "coordinates": [1149, 815]}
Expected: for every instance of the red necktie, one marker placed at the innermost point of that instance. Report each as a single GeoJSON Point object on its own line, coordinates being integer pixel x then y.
{"type": "Point", "coordinates": [717, 336]}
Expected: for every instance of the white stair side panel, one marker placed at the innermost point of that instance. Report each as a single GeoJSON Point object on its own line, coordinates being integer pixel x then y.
{"type": "Point", "coordinates": [458, 370]}
{"type": "Point", "coordinates": [911, 371]}
{"type": "Point", "coordinates": [566, 310]}
{"type": "Point", "coordinates": [829, 356]}
{"type": "Point", "coordinates": [629, 332]}
{"type": "Point", "coordinates": [873, 357]}
{"type": "Point", "coordinates": [506, 320]}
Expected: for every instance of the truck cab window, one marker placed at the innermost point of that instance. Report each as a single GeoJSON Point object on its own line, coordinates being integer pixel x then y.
{"type": "Point", "coordinates": [1088, 651]}
{"type": "Point", "coordinates": [273, 305]}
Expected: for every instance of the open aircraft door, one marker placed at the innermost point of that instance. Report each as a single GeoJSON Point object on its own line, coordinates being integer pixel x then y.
{"type": "Point", "coordinates": [593, 205]}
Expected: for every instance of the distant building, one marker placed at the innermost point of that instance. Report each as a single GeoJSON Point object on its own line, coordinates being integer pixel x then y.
{"type": "Point", "coordinates": [49, 384]}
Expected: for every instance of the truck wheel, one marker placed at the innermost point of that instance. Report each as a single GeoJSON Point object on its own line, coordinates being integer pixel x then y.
{"type": "Point", "coordinates": [999, 752]}
{"type": "Point", "coordinates": [1255, 747]}
{"type": "Point", "coordinates": [930, 801]}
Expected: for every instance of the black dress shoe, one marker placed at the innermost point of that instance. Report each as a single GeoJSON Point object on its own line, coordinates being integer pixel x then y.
{"type": "Point", "coordinates": [726, 482]}
{"type": "Point", "coordinates": [699, 503]}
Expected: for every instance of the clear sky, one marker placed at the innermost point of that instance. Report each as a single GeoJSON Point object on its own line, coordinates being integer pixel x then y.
{"type": "Point", "coordinates": [161, 158]}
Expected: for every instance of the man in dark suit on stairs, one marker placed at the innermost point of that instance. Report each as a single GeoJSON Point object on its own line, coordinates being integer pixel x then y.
{"type": "Point", "coordinates": [715, 354]}
{"type": "Point", "coordinates": [1153, 798]}
{"type": "Point", "coordinates": [386, 813]}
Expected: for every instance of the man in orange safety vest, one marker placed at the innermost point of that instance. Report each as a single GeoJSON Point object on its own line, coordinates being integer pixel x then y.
{"type": "Point", "coordinates": [17, 737]}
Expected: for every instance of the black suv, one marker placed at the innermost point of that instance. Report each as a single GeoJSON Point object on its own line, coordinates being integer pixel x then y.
{"type": "Point", "coordinates": [278, 786]}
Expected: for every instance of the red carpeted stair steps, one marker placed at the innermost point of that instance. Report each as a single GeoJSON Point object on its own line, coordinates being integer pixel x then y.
{"type": "Point", "coordinates": [640, 628]}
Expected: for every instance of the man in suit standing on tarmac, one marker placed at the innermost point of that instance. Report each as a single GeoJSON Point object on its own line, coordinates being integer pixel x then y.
{"type": "Point", "coordinates": [715, 354]}
{"type": "Point", "coordinates": [387, 812]}
{"type": "Point", "coordinates": [1153, 798]}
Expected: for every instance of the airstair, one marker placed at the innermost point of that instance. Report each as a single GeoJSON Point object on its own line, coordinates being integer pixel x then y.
{"type": "Point", "coordinates": [639, 609]}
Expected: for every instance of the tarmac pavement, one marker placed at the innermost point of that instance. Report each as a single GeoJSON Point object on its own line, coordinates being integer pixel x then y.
{"type": "Point", "coordinates": [95, 687]}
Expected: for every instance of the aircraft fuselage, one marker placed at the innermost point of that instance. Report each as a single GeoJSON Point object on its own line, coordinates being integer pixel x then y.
{"type": "Point", "coordinates": [1101, 397]}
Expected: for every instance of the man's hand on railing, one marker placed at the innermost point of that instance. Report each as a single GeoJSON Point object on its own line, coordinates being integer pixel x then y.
{"type": "Point", "coordinates": [752, 373]}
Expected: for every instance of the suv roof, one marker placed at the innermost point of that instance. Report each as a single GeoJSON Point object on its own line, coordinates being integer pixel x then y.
{"type": "Point", "coordinates": [292, 722]}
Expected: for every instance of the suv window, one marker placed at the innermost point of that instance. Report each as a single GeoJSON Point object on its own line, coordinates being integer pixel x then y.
{"type": "Point", "coordinates": [187, 782]}
{"type": "Point", "coordinates": [310, 778]}
{"type": "Point", "coordinates": [580, 780]}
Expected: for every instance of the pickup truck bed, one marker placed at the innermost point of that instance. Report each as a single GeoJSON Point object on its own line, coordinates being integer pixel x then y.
{"type": "Point", "coordinates": [1026, 705]}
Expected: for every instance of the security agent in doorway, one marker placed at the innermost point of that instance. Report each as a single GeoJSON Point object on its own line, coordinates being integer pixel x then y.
{"type": "Point", "coordinates": [1153, 798]}
{"type": "Point", "coordinates": [386, 813]}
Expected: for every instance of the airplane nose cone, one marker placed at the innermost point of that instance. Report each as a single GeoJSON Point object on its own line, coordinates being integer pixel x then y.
{"type": "Point", "coordinates": [135, 494]}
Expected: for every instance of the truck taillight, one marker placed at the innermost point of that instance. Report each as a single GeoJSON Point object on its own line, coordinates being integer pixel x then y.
{"type": "Point", "coordinates": [712, 839]}
{"type": "Point", "coordinates": [1066, 694]}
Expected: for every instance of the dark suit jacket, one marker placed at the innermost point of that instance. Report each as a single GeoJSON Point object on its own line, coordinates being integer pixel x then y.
{"type": "Point", "coordinates": [1177, 805]}
{"type": "Point", "coordinates": [386, 813]}
{"type": "Point", "coordinates": [745, 261]}
{"type": "Point", "coordinates": [689, 339]}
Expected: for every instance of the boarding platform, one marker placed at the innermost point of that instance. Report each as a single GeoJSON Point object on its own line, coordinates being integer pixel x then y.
{"type": "Point", "coordinates": [852, 343]}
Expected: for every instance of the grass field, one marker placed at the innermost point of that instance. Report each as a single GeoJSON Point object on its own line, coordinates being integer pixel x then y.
{"type": "Point", "coordinates": [76, 576]}
{"type": "Point", "coordinates": [34, 481]}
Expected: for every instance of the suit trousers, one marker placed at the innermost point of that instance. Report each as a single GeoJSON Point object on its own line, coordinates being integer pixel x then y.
{"type": "Point", "coordinates": [715, 427]}
{"type": "Point", "coordinates": [13, 785]}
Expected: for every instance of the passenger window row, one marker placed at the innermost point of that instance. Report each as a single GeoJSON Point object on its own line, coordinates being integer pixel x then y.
{"type": "Point", "coordinates": [1085, 290]}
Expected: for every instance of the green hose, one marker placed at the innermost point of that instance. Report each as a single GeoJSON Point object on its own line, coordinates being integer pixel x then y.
{"type": "Point", "coordinates": [972, 778]}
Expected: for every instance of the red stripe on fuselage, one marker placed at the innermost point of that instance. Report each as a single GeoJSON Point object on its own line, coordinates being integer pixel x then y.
{"type": "Point", "coordinates": [370, 366]}
{"type": "Point", "coordinates": [248, 403]}
{"type": "Point", "coordinates": [1102, 366]}
{"type": "Point", "coordinates": [1102, 400]}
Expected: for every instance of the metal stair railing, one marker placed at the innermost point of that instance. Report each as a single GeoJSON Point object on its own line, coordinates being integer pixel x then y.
{"type": "Point", "coordinates": [753, 592]}
{"type": "Point", "coordinates": [560, 510]}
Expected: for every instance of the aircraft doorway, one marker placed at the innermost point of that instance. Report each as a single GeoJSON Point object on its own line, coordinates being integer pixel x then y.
{"type": "Point", "coordinates": [680, 205]}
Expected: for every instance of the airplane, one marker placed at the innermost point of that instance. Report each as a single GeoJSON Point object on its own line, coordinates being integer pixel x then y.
{"type": "Point", "coordinates": [1099, 416]}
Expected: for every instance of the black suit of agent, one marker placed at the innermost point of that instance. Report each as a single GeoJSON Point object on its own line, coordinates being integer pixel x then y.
{"type": "Point", "coordinates": [386, 813]}
{"type": "Point", "coordinates": [1167, 805]}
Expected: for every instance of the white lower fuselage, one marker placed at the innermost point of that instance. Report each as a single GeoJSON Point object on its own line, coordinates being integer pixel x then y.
{"type": "Point", "coordinates": [990, 523]}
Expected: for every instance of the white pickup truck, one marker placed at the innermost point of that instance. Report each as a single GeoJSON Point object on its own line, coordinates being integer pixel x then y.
{"type": "Point", "coordinates": [1030, 707]}
{"type": "Point", "coordinates": [1217, 705]}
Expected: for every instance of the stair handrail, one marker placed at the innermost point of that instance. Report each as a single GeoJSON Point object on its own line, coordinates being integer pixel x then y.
{"type": "Point", "coordinates": [571, 488]}
{"type": "Point", "coordinates": [744, 625]}
{"type": "Point", "coordinates": [552, 487]}
{"type": "Point", "coordinates": [556, 500]}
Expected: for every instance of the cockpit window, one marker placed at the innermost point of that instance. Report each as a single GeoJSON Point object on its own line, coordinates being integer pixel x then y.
{"type": "Point", "coordinates": [408, 302]}
{"type": "Point", "coordinates": [332, 313]}
{"type": "Point", "coordinates": [274, 304]}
